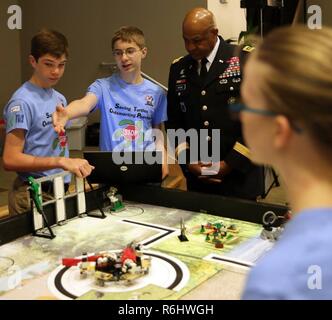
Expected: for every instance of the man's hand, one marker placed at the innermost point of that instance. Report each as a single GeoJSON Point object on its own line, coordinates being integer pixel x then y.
{"type": "Point", "coordinates": [80, 167]}
{"type": "Point", "coordinates": [210, 173]}
{"type": "Point", "coordinates": [60, 118]}
{"type": "Point", "coordinates": [195, 168]}
{"type": "Point", "coordinates": [224, 169]}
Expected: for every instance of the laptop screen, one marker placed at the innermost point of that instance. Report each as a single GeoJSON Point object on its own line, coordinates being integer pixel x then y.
{"type": "Point", "coordinates": [124, 167]}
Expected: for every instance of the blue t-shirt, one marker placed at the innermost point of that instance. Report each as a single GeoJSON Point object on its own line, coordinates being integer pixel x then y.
{"type": "Point", "coordinates": [30, 108]}
{"type": "Point", "coordinates": [128, 113]}
{"type": "Point", "coordinates": [299, 266]}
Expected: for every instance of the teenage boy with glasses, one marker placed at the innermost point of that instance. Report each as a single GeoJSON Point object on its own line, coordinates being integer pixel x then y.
{"type": "Point", "coordinates": [130, 105]}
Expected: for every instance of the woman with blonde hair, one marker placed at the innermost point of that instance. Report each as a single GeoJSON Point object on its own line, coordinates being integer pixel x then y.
{"type": "Point", "coordinates": [287, 123]}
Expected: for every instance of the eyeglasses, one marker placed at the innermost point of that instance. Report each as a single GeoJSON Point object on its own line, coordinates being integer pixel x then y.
{"type": "Point", "coordinates": [129, 52]}
{"type": "Point", "coordinates": [240, 107]}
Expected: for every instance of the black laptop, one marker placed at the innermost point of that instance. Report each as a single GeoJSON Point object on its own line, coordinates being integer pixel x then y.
{"type": "Point", "coordinates": [122, 168]}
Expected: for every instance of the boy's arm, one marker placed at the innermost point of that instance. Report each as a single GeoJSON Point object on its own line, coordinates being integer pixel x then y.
{"type": "Point", "coordinates": [15, 160]}
{"type": "Point", "coordinates": [75, 109]}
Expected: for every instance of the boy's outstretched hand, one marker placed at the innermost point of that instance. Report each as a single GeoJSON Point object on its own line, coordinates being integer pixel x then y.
{"type": "Point", "coordinates": [60, 118]}
{"type": "Point", "coordinates": [80, 167]}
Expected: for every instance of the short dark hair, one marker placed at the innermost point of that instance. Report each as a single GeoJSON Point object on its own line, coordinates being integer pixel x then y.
{"type": "Point", "coordinates": [49, 42]}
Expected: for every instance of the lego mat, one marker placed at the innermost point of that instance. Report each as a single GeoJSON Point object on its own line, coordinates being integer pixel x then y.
{"type": "Point", "coordinates": [31, 267]}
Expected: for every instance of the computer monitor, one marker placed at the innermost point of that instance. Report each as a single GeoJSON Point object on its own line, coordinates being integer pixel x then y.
{"type": "Point", "coordinates": [122, 168]}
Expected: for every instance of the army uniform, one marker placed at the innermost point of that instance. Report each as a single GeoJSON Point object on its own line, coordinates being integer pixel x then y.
{"type": "Point", "coordinates": [193, 103]}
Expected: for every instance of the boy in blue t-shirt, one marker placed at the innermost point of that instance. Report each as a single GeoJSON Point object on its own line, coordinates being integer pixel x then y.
{"type": "Point", "coordinates": [32, 148]}
{"type": "Point", "coordinates": [130, 106]}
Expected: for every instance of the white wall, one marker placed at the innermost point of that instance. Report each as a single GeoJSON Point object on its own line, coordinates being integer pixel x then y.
{"type": "Point", "coordinates": [231, 19]}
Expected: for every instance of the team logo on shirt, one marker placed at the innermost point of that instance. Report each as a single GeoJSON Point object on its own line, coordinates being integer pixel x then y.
{"type": "Point", "coordinates": [15, 109]}
{"type": "Point", "coordinates": [149, 101]}
{"type": "Point", "coordinates": [19, 118]}
{"type": "Point", "coordinates": [61, 142]}
{"type": "Point", "coordinates": [15, 119]}
{"type": "Point", "coordinates": [130, 131]}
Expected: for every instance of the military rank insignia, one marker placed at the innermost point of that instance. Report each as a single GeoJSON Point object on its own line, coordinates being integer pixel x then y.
{"type": "Point", "coordinates": [233, 68]}
{"type": "Point", "coordinates": [177, 59]}
{"type": "Point", "coordinates": [248, 49]}
{"type": "Point", "coordinates": [181, 85]}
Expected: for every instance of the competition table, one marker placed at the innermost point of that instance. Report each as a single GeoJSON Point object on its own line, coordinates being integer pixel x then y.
{"type": "Point", "coordinates": [30, 267]}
